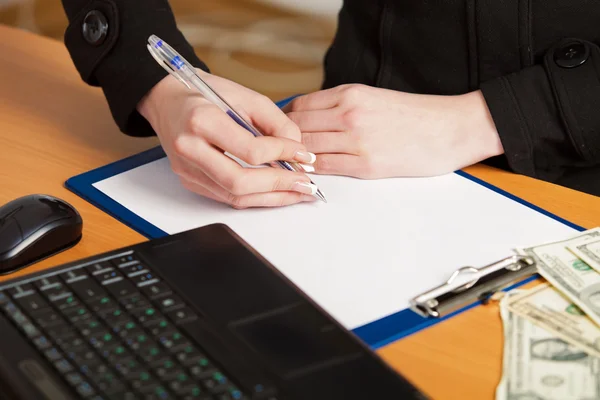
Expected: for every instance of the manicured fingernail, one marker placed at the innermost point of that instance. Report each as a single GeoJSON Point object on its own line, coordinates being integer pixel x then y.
{"type": "Point", "coordinates": [305, 187]}
{"type": "Point", "coordinates": [308, 168]}
{"type": "Point", "coordinates": [305, 157]}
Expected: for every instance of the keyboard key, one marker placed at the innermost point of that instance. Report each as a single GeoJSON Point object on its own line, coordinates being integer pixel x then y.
{"type": "Point", "coordinates": [188, 356]}
{"type": "Point", "coordinates": [182, 315]}
{"type": "Point", "coordinates": [170, 302]}
{"type": "Point", "coordinates": [194, 392]}
{"type": "Point", "coordinates": [88, 289]}
{"type": "Point", "coordinates": [74, 378]}
{"type": "Point", "coordinates": [167, 369]}
{"type": "Point", "coordinates": [57, 294]}
{"type": "Point", "coordinates": [141, 379]}
{"type": "Point", "coordinates": [129, 368]}
{"type": "Point", "coordinates": [74, 275]}
{"type": "Point", "coordinates": [4, 298]}
{"type": "Point", "coordinates": [63, 366]}
{"type": "Point", "coordinates": [90, 326]}
{"type": "Point", "coordinates": [85, 390]}
{"type": "Point", "coordinates": [116, 353]}
{"type": "Point", "coordinates": [53, 354]}
{"type": "Point", "coordinates": [100, 268]}
{"type": "Point", "coordinates": [109, 277]}
{"type": "Point", "coordinates": [126, 329]}
{"type": "Point", "coordinates": [201, 367]}
{"type": "Point", "coordinates": [134, 269]}
{"type": "Point", "coordinates": [152, 353]}
{"type": "Point", "coordinates": [21, 291]}
{"type": "Point", "coordinates": [47, 318]}
{"type": "Point", "coordinates": [46, 284]}
{"type": "Point", "coordinates": [146, 315]}
{"type": "Point", "coordinates": [144, 279]}
{"type": "Point", "coordinates": [85, 356]}
{"type": "Point", "coordinates": [134, 301]}
{"type": "Point", "coordinates": [216, 383]}
{"type": "Point", "coordinates": [173, 341]}
{"type": "Point", "coordinates": [64, 302]}
{"type": "Point", "coordinates": [156, 290]}
{"type": "Point", "coordinates": [76, 314]}
{"type": "Point", "coordinates": [71, 343]}
{"type": "Point", "coordinates": [115, 316]}
{"type": "Point", "coordinates": [125, 260]}
{"type": "Point", "coordinates": [180, 381]}
{"type": "Point", "coordinates": [102, 339]}
{"type": "Point", "coordinates": [32, 303]}
{"type": "Point", "coordinates": [30, 330]}
{"type": "Point", "coordinates": [159, 327]}
{"type": "Point", "coordinates": [121, 289]}
{"type": "Point", "coordinates": [103, 304]}
{"type": "Point", "coordinates": [60, 332]}
{"type": "Point", "coordinates": [42, 343]}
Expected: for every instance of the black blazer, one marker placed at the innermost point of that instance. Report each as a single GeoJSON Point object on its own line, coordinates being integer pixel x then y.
{"type": "Point", "coordinates": [537, 63]}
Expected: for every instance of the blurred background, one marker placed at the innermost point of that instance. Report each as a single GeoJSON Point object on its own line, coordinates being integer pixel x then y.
{"type": "Point", "coordinates": [275, 47]}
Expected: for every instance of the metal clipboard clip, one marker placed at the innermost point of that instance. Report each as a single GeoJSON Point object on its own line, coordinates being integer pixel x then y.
{"type": "Point", "coordinates": [470, 284]}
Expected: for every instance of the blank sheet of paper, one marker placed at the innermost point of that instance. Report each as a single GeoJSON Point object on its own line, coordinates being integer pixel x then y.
{"type": "Point", "coordinates": [373, 247]}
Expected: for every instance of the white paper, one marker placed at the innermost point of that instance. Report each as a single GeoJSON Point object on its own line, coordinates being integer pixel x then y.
{"type": "Point", "coordinates": [374, 246]}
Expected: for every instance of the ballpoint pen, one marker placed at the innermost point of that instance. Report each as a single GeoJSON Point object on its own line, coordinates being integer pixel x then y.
{"type": "Point", "coordinates": [181, 69]}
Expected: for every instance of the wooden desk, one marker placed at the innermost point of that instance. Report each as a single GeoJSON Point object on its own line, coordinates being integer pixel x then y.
{"type": "Point", "coordinates": [52, 126]}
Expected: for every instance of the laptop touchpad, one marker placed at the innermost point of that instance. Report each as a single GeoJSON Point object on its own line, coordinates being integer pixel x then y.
{"type": "Point", "coordinates": [295, 339]}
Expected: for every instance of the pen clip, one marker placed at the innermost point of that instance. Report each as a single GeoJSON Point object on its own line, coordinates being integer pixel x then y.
{"type": "Point", "coordinates": [168, 67]}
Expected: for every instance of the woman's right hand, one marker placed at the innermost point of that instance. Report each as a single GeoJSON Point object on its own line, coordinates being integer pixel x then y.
{"type": "Point", "coordinates": [195, 134]}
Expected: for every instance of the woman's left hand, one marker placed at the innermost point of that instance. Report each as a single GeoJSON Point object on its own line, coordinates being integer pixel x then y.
{"type": "Point", "coordinates": [369, 133]}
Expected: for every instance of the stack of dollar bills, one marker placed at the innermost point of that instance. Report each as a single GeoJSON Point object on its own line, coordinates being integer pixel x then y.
{"type": "Point", "coordinates": [552, 331]}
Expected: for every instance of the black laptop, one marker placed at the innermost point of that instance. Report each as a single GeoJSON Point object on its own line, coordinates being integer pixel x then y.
{"type": "Point", "coordinates": [196, 315]}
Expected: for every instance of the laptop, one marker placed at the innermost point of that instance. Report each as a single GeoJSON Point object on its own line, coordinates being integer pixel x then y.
{"type": "Point", "coordinates": [195, 315]}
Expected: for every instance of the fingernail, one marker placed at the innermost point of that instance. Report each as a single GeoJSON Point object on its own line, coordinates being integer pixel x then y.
{"type": "Point", "coordinates": [305, 187]}
{"type": "Point", "coordinates": [305, 157]}
{"type": "Point", "coordinates": [307, 168]}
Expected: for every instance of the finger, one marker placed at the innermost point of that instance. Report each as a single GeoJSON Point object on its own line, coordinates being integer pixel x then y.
{"type": "Point", "coordinates": [342, 164]}
{"type": "Point", "coordinates": [319, 120]}
{"type": "Point", "coordinates": [320, 100]}
{"type": "Point", "coordinates": [206, 187]}
{"type": "Point", "coordinates": [272, 199]}
{"type": "Point", "coordinates": [234, 178]}
{"type": "Point", "coordinates": [270, 119]}
{"type": "Point", "coordinates": [221, 131]}
{"type": "Point", "coordinates": [201, 190]}
{"type": "Point", "coordinates": [330, 142]}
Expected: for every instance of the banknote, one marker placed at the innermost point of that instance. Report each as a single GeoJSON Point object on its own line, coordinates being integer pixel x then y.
{"type": "Point", "coordinates": [588, 252]}
{"type": "Point", "coordinates": [537, 365]}
{"type": "Point", "coordinates": [568, 273]}
{"type": "Point", "coordinates": [548, 308]}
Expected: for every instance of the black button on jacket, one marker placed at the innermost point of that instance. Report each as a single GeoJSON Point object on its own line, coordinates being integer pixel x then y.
{"type": "Point", "coordinates": [537, 63]}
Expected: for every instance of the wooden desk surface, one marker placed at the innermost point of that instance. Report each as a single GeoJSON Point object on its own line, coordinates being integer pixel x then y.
{"type": "Point", "coordinates": [52, 127]}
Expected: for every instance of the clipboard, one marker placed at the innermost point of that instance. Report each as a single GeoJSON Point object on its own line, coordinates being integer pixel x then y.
{"type": "Point", "coordinates": [468, 287]}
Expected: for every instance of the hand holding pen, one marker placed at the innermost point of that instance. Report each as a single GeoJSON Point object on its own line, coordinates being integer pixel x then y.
{"type": "Point", "coordinates": [195, 132]}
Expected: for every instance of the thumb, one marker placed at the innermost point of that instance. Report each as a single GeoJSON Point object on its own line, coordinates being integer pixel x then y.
{"type": "Point", "coordinates": [270, 119]}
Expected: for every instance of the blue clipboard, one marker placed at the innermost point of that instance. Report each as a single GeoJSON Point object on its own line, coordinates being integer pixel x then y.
{"type": "Point", "coordinates": [376, 334]}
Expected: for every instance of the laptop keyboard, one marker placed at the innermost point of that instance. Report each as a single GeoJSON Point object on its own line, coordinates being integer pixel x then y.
{"type": "Point", "coordinates": [114, 330]}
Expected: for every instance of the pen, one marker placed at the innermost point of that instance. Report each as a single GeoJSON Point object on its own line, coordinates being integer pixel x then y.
{"type": "Point", "coordinates": [181, 69]}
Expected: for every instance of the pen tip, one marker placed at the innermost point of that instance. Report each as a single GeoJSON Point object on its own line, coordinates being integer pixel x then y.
{"type": "Point", "coordinates": [320, 195]}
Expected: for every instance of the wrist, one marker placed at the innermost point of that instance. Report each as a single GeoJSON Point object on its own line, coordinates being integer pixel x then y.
{"type": "Point", "coordinates": [481, 135]}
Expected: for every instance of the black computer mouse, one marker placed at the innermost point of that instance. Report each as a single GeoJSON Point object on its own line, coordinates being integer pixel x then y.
{"type": "Point", "coordinates": [35, 227]}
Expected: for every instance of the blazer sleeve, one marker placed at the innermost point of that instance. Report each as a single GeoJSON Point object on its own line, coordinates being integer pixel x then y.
{"type": "Point", "coordinates": [106, 40]}
{"type": "Point", "coordinates": [548, 115]}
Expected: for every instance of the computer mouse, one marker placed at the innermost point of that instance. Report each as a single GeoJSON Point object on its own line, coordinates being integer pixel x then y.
{"type": "Point", "coordinates": [35, 227]}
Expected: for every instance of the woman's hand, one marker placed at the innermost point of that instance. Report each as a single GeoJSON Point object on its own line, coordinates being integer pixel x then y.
{"type": "Point", "coordinates": [195, 134]}
{"type": "Point", "coordinates": [369, 133]}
